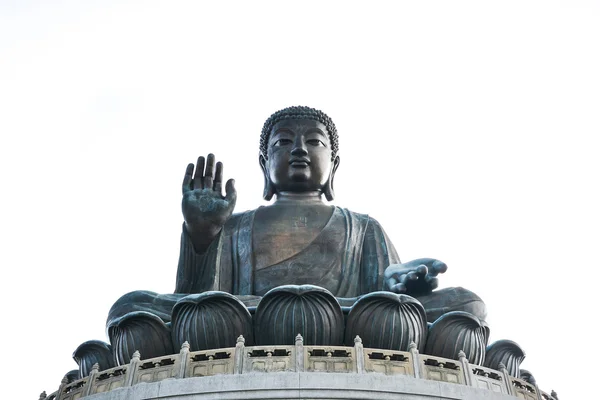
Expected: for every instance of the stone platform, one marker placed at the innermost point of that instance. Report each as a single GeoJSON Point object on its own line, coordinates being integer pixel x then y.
{"type": "Point", "coordinates": [299, 372]}
{"type": "Point", "coordinates": [300, 385]}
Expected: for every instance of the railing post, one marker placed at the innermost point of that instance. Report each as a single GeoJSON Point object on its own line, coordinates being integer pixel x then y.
{"type": "Point", "coordinates": [538, 392]}
{"type": "Point", "coordinates": [87, 390]}
{"type": "Point", "coordinates": [61, 388]}
{"type": "Point", "coordinates": [462, 357]}
{"type": "Point", "coordinates": [184, 355]}
{"type": "Point", "coordinates": [132, 369]}
{"type": "Point", "coordinates": [299, 353]}
{"type": "Point", "coordinates": [360, 355]}
{"type": "Point", "coordinates": [507, 379]}
{"type": "Point", "coordinates": [238, 358]}
{"type": "Point", "coordinates": [414, 352]}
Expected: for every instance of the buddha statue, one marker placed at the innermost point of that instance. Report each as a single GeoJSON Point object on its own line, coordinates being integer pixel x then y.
{"type": "Point", "coordinates": [298, 243]}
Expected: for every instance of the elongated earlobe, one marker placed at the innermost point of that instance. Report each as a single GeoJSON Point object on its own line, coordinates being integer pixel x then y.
{"type": "Point", "coordinates": [268, 191]}
{"type": "Point", "coordinates": [328, 189]}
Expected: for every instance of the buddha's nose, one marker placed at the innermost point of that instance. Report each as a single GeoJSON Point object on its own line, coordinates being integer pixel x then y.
{"type": "Point", "coordinates": [299, 149]}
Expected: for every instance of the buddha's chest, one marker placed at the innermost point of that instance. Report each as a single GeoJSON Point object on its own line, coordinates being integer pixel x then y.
{"type": "Point", "coordinates": [280, 232]}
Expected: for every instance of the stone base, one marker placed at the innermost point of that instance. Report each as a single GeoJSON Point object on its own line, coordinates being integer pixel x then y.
{"type": "Point", "coordinates": [300, 385]}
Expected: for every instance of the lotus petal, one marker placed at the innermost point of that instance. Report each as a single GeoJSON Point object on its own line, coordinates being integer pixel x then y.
{"type": "Point", "coordinates": [72, 375]}
{"type": "Point", "coordinates": [456, 331]}
{"type": "Point", "coordinates": [506, 352]}
{"type": "Point", "coordinates": [386, 320]}
{"type": "Point", "coordinates": [527, 376]}
{"type": "Point", "coordinates": [141, 331]}
{"type": "Point", "coordinates": [210, 320]}
{"type": "Point", "coordinates": [92, 352]}
{"type": "Point", "coordinates": [308, 310]}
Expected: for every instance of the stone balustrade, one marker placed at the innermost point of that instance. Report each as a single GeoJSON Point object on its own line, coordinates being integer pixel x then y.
{"type": "Point", "coordinates": [298, 358]}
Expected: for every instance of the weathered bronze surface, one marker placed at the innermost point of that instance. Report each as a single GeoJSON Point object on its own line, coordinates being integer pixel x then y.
{"type": "Point", "coordinates": [297, 240]}
{"type": "Point", "coordinates": [289, 310]}
{"type": "Point", "coordinates": [90, 353]}
{"type": "Point", "coordinates": [297, 269]}
{"type": "Point", "coordinates": [139, 331]}
{"type": "Point", "coordinates": [455, 332]}
{"type": "Point", "coordinates": [210, 320]}
{"type": "Point", "coordinates": [387, 320]}
{"type": "Point", "coordinates": [505, 352]}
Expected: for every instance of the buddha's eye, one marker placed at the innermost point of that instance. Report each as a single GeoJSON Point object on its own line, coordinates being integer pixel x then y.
{"type": "Point", "coordinates": [282, 142]}
{"type": "Point", "coordinates": [315, 142]}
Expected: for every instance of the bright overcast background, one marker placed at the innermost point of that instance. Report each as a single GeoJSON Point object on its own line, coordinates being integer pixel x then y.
{"type": "Point", "coordinates": [468, 129]}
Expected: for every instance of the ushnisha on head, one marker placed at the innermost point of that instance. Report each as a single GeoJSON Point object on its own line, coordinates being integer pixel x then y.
{"type": "Point", "coordinates": [298, 152]}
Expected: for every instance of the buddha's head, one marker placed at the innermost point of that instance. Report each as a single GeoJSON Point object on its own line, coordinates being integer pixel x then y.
{"type": "Point", "coordinates": [298, 152]}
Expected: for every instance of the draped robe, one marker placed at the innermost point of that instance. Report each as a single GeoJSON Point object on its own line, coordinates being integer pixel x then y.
{"type": "Point", "coordinates": [348, 257]}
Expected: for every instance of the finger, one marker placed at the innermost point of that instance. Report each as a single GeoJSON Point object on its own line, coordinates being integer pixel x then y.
{"type": "Point", "coordinates": [230, 192]}
{"type": "Point", "coordinates": [218, 183]}
{"type": "Point", "coordinates": [412, 276]}
{"type": "Point", "coordinates": [209, 174]}
{"type": "Point", "coordinates": [433, 283]}
{"type": "Point", "coordinates": [391, 282]}
{"type": "Point", "coordinates": [399, 288]}
{"type": "Point", "coordinates": [403, 278]}
{"type": "Point", "coordinates": [439, 267]}
{"type": "Point", "coordinates": [197, 184]}
{"type": "Point", "coordinates": [187, 178]}
{"type": "Point", "coordinates": [396, 270]}
{"type": "Point", "coordinates": [421, 269]}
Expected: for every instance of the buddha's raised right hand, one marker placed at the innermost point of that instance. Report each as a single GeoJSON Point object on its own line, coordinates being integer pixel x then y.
{"type": "Point", "coordinates": [205, 209]}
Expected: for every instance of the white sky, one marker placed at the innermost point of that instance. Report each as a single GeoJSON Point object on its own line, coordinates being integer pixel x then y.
{"type": "Point", "coordinates": [466, 129]}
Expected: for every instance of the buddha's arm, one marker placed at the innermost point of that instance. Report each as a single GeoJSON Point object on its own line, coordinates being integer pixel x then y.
{"type": "Point", "coordinates": [378, 254]}
{"type": "Point", "coordinates": [382, 270]}
{"type": "Point", "coordinates": [196, 272]}
{"type": "Point", "coordinates": [205, 212]}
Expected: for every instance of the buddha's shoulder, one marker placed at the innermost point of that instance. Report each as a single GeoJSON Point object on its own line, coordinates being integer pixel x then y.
{"type": "Point", "coordinates": [239, 218]}
{"type": "Point", "coordinates": [364, 219]}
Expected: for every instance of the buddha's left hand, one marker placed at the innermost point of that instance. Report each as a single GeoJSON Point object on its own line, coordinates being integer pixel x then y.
{"type": "Point", "coordinates": [414, 277]}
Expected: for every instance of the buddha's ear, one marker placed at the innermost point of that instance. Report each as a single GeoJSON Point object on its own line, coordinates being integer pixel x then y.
{"type": "Point", "coordinates": [268, 191]}
{"type": "Point", "coordinates": [328, 189]}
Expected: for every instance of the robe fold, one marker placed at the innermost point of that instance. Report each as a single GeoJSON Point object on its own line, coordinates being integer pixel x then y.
{"type": "Point", "coordinates": [348, 258]}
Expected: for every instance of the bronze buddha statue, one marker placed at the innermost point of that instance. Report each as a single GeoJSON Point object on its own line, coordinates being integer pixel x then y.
{"type": "Point", "coordinates": [296, 240]}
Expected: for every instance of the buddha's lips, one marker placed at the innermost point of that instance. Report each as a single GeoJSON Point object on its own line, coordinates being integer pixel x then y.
{"type": "Point", "coordinates": [299, 162]}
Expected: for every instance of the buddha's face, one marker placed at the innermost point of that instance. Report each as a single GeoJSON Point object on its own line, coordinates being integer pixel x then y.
{"type": "Point", "coordinates": [299, 156]}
